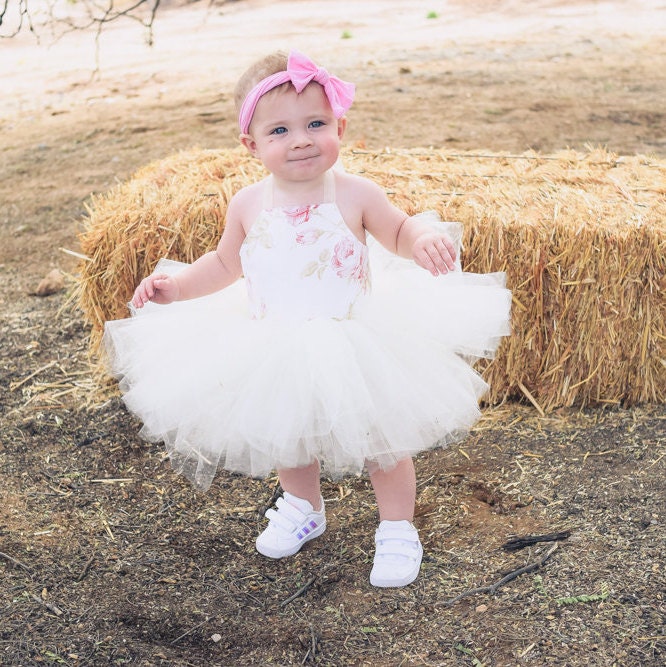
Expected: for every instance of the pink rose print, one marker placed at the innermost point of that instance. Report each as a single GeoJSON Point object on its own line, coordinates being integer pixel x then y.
{"type": "Point", "coordinates": [349, 260]}
{"type": "Point", "coordinates": [298, 215]}
{"type": "Point", "coordinates": [308, 237]}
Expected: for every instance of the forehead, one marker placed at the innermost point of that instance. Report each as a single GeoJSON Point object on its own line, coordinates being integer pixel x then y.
{"type": "Point", "coordinates": [285, 99]}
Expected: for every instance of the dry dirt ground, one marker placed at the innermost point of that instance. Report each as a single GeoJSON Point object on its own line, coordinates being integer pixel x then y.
{"type": "Point", "coordinates": [107, 557]}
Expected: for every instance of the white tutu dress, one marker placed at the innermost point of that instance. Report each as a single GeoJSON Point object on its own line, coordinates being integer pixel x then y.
{"type": "Point", "coordinates": [301, 359]}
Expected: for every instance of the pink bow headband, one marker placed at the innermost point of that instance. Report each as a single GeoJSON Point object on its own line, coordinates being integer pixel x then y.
{"type": "Point", "coordinates": [300, 71]}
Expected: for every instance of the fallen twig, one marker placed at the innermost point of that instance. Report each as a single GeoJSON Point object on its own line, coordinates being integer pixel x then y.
{"type": "Point", "coordinates": [111, 480]}
{"type": "Point", "coordinates": [311, 581]}
{"type": "Point", "coordinates": [493, 588]}
{"type": "Point", "coordinates": [299, 592]}
{"type": "Point", "coordinates": [190, 631]}
{"type": "Point", "coordinates": [86, 568]}
{"type": "Point", "coordinates": [520, 542]}
{"type": "Point", "coordinates": [13, 560]}
{"type": "Point", "coordinates": [51, 607]}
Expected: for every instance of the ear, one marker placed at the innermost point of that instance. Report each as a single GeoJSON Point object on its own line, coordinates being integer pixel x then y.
{"type": "Point", "coordinates": [248, 141]}
{"type": "Point", "coordinates": [342, 126]}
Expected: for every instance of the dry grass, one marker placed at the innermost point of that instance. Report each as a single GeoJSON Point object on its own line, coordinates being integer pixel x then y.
{"type": "Point", "coordinates": [581, 236]}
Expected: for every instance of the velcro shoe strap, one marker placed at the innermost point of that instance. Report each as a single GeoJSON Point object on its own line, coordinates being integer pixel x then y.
{"type": "Point", "coordinates": [286, 516]}
{"type": "Point", "coordinates": [394, 547]}
{"type": "Point", "coordinates": [391, 533]}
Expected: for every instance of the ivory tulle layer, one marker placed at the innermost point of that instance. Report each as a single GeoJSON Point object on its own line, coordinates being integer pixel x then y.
{"type": "Point", "coordinates": [223, 390]}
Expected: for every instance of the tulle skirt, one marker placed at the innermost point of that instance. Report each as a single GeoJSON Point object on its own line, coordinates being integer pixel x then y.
{"type": "Point", "coordinates": [251, 395]}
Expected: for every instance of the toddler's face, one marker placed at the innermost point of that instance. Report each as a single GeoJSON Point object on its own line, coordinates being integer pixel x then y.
{"type": "Point", "coordinates": [296, 136]}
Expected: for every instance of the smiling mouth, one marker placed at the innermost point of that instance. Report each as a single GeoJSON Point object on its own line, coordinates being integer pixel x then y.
{"type": "Point", "coordinates": [303, 159]}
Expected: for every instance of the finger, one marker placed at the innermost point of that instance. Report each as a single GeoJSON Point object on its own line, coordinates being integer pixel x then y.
{"type": "Point", "coordinates": [441, 257]}
{"type": "Point", "coordinates": [164, 290]}
{"type": "Point", "coordinates": [137, 300]}
{"type": "Point", "coordinates": [438, 261]}
{"type": "Point", "coordinates": [151, 286]}
{"type": "Point", "coordinates": [145, 290]}
{"type": "Point", "coordinates": [451, 250]}
{"type": "Point", "coordinates": [447, 253]}
{"type": "Point", "coordinates": [450, 246]}
{"type": "Point", "coordinates": [142, 294]}
{"type": "Point", "coordinates": [158, 282]}
{"type": "Point", "coordinates": [424, 260]}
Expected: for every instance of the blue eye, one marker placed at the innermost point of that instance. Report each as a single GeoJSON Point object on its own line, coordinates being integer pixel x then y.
{"type": "Point", "coordinates": [317, 123]}
{"type": "Point", "coordinates": [279, 130]}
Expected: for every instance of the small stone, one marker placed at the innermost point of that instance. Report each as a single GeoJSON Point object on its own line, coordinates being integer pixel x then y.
{"type": "Point", "coordinates": [481, 608]}
{"type": "Point", "coordinates": [52, 283]}
{"type": "Point", "coordinates": [216, 638]}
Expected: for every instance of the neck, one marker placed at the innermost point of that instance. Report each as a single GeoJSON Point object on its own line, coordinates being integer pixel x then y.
{"type": "Point", "coordinates": [298, 193]}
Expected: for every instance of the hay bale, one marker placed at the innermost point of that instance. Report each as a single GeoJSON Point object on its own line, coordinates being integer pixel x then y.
{"type": "Point", "coordinates": [581, 236]}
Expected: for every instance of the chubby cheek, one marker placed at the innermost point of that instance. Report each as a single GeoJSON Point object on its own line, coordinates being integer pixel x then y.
{"type": "Point", "coordinates": [271, 154]}
{"type": "Point", "coordinates": [330, 144]}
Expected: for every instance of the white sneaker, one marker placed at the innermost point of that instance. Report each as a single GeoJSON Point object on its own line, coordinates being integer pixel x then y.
{"type": "Point", "coordinates": [290, 526]}
{"type": "Point", "coordinates": [398, 555]}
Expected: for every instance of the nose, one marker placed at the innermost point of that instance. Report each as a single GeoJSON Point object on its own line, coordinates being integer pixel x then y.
{"type": "Point", "coordinates": [300, 138]}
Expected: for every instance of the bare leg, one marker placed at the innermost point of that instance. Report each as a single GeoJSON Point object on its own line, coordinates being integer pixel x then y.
{"type": "Point", "coordinates": [395, 490]}
{"type": "Point", "coordinates": [303, 483]}
{"type": "Point", "coordinates": [293, 523]}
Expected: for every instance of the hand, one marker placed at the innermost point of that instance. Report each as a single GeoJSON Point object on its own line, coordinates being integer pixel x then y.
{"type": "Point", "coordinates": [158, 288]}
{"type": "Point", "coordinates": [434, 252]}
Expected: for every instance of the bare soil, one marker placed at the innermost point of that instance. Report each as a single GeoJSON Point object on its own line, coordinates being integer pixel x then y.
{"type": "Point", "coordinates": [108, 557]}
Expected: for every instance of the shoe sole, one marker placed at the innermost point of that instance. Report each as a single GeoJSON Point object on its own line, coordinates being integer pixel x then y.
{"type": "Point", "coordinates": [394, 583]}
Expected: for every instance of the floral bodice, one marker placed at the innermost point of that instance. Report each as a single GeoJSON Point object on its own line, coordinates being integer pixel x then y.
{"type": "Point", "coordinates": [304, 262]}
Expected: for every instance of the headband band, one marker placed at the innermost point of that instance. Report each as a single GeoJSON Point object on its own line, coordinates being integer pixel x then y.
{"type": "Point", "coordinates": [300, 71]}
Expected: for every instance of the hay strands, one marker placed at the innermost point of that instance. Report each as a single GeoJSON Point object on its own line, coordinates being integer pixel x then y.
{"type": "Point", "coordinates": [581, 238]}
{"type": "Point", "coordinates": [77, 255]}
{"type": "Point", "coordinates": [15, 385]}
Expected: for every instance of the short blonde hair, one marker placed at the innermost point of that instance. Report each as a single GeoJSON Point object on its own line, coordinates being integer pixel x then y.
{"type": "Point", "coordinates": [268, 65]}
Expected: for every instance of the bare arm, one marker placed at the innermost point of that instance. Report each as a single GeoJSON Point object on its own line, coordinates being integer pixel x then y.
{"type": "Point", "coordinates": [429, 248]}
{"type": "Point", "coordinates": [403, 235]}
{"type": "Point", "coordinates": [210, 273]}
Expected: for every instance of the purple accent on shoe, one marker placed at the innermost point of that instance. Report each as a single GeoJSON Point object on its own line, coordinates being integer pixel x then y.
{"type": "Point", "coordinates": [305, 530]}
{"type": "Point", "coordinates": [278, 540]}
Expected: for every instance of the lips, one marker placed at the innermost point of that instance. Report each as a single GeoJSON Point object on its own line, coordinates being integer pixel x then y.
{"type": "Point", "coordinates": [303, 159]}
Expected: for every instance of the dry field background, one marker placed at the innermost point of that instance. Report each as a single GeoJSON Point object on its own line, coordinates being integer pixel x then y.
{"type": "Point", "coordinates": [107, 557]}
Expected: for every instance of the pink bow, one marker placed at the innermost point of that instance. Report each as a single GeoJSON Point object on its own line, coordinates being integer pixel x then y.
{"type": "Point", "coordinates": [300, 71]}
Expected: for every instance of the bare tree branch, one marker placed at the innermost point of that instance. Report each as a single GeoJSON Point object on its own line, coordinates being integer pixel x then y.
{"type": "Point", "coordinates": [23, 16]}
{"type": "Point", "coordinates": [60, 18]}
